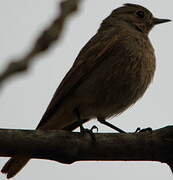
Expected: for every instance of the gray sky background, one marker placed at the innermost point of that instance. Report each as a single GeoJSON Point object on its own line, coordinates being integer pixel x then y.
{"type": "Point", "coordinates": [25, 98]}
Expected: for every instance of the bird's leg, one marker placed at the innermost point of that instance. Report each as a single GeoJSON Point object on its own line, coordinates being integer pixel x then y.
{"type": "Point", "coordinates": [103, 121]}
{"type": "Point", "coordinates": [84, 130]}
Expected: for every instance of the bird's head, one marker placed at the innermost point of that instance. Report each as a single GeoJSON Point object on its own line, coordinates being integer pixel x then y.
{"type": "Point", "coordinates": [137, 16]}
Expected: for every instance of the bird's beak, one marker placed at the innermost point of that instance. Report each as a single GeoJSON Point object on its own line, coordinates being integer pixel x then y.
{"type": "Point", "coordinates": [159, 21]}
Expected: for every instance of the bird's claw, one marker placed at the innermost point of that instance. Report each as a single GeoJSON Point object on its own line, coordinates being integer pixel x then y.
{"type": "Point", "coordinates": [94, 128]}
{"type": "Point", "coordinates": [138, 130]}
{"type": "Point", "coordinates": [89, 131]}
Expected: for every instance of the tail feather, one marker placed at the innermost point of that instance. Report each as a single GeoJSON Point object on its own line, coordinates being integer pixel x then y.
{"type": "Point", "coordinates": [14, 165]}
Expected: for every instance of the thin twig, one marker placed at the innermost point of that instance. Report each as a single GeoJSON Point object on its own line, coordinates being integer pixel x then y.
{"type": "Point", "coordinates": [43, 42]}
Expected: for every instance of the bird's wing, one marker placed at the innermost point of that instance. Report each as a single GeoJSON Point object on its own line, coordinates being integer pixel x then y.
{"type": "Point", "coordinates": [88, 59]}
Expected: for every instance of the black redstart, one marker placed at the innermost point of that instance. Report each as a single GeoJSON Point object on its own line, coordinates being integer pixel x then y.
{"type": "Point", "coordinates": [111, 72]}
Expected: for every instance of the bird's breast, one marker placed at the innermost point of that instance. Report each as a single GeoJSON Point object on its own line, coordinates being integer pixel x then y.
{"type": "Point", "coordinates": [135, 75]}
{"type": "Point", "coordinates": [118, 83]}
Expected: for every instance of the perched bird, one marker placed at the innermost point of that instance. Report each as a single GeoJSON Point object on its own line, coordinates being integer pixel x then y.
{"type": "Point", "coordinates": [111, 72]}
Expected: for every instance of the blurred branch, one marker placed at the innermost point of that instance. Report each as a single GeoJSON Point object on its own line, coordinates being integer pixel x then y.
{"type": "Point", "coordinates": [68, 147]}
{"type": "Point", "coordinates": [43, 42]}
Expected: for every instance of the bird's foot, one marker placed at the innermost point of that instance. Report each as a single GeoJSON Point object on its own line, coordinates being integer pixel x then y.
{"type": "Point", "coordinates": [89, 131]}
{"type": "Point", "coordinates": [138, 130]}
{"type": "Point", "coordinates": [94, 128]}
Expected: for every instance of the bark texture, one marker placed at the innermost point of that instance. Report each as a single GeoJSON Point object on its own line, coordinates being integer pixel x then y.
{"type": "Point", "coordinates": [68, 147]}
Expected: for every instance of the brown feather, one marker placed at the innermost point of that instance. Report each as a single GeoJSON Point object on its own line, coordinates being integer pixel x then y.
{"type": "Point", "coordinates": [111, 72]}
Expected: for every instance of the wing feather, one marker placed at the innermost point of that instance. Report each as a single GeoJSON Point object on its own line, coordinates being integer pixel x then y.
{"type": "Point", "coordinates": [88, 59]}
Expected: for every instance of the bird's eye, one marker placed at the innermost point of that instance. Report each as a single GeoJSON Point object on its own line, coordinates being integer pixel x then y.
{"type": "Point", "coordinates": [140, 14]}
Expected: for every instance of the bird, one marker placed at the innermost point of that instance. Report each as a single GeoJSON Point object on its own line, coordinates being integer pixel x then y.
{"type": "Point", "coordinates": [111, 72]}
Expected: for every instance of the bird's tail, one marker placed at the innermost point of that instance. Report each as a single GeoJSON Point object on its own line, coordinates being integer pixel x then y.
{"type": "Point", "coordinates": [14, 165]}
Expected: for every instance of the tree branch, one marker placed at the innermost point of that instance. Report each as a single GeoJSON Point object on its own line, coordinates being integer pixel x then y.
{"type": "Point", "coordinates": [68, 147]}
{"type": "Point", "coordinates": [43, 42]}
